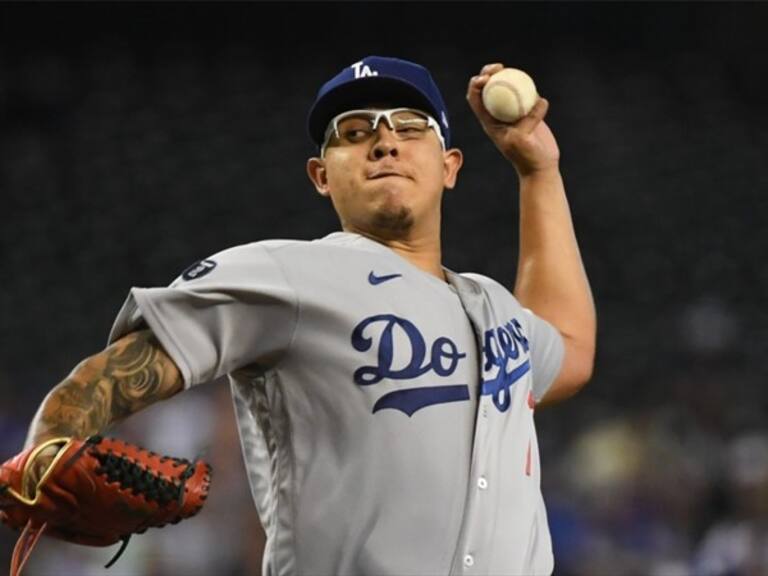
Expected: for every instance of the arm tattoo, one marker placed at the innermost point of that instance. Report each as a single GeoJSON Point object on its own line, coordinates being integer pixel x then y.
{"type": "Point", "coordinates": [130, 375]}
{"type": "Point", "coordinates": [138, 374]}
{"type": "Point", "coordinates": [73, 408]}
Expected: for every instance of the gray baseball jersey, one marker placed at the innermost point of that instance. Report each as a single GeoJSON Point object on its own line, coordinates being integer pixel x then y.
{"type": "Point", "coordinates": [386, 416]}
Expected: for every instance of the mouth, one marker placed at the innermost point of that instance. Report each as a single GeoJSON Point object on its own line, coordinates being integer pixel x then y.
{"type": "Point", "coordinates": [385, 174]}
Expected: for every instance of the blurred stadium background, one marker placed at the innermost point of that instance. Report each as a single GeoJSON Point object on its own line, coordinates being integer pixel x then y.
{"type": "Point", "coordinates": [138, 138]}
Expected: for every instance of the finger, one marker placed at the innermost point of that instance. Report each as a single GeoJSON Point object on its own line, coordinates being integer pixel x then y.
{"type": "Point", "coordinates": [490, 69]}
{"type": "Point", "coordinates": [528, 123]}
{"type": "Point", "coordinates": [476, 84]}
{"type": "Point", "coordinates": [479, 81]}
{"type": "Point", "coordinates": [475, 100]}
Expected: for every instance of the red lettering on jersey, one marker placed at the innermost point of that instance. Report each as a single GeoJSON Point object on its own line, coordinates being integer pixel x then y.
{"type": "Point", "coordinates": [528, 460]}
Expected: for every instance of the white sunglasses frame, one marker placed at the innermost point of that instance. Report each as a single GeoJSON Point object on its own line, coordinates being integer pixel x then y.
{"type": "Point", "coordinates": [333, 125]}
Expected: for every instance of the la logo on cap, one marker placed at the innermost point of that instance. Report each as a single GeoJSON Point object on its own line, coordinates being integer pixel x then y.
{"type": "Point", "coordinates": [361, 71]}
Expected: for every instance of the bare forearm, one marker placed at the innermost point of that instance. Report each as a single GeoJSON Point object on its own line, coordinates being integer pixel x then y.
{"type": "Point", "coordinates": [75, 407]}
{"type": "Point", "coordinates": [126, 377]}
{"type": "Point", "coordinates": [551, 279]}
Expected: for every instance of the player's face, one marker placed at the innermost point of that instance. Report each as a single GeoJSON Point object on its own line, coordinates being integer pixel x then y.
{"type": "Point", "coordinates": [388, 181]}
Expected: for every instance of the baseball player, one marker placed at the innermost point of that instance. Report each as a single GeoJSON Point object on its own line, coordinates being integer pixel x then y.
{"type": "Point", "coordinates": [385, 403]}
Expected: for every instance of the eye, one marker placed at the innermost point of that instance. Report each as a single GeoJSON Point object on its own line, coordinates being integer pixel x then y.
{"type": "Point", "coordinates": [355, 134]}
{"type": "Point", "coordinates": [354, 129]}
{"type": "Point", "coordinates": [411, 126]}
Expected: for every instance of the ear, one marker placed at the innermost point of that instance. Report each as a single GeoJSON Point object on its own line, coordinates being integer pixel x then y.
{"type": "Point", "coordinates": [318, 176]}
{"type": "Point", "coordinates": [452, 162]}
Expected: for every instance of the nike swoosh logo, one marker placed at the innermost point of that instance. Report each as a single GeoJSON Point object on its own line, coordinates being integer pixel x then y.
{"type": "Point", "coordinates": [374, 280]}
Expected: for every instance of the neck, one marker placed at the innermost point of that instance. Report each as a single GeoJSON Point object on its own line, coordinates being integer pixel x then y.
{"type": "Point", "coordinates": [423, 251]}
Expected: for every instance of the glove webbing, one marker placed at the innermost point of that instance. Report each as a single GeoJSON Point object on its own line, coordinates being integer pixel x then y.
{"type": "Point", "coordinates": [140, 481]}
{"type": "Point", "coordinates": [132, 476]}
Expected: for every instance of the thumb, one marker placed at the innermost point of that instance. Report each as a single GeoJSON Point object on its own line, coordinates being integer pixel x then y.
{"type": "Point", "coordinates": [528, 123]}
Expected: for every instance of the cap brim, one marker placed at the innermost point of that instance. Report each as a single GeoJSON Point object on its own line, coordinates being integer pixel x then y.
{"type": "Point", "coordinates": [364, 92]}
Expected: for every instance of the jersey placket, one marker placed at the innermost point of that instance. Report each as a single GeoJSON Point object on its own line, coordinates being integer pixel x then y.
{"type": "Point", "coordinates": [471, 557]}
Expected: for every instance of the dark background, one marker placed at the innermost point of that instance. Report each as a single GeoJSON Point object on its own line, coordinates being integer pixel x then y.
{"type": "Point", "coordinates": [136, 139]}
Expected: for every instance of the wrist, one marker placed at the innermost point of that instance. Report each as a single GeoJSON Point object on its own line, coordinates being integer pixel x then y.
{"type": "Point", "coordinates": [543, 175]}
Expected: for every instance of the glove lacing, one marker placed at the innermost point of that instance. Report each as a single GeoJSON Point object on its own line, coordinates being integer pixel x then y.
{"type": "Point", "coordinates": [132, 476]}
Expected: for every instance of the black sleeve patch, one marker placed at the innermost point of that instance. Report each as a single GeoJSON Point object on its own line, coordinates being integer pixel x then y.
{"type": "Point", "coordinates": [198, 269]}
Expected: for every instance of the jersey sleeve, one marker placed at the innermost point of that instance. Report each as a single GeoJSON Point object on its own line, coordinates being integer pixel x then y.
{"type": "Point", "coordinates": [547, 351]}
{"type": "Point", "coordinates": [224, 313]}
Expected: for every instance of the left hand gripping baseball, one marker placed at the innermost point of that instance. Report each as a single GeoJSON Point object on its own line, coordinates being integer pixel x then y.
{"type": "Point", "coordinates": [528, 143]}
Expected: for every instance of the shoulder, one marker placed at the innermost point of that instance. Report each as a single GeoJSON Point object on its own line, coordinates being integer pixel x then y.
{"type": "Point", "coordinates": [501, 297]}
{"type": "Point", "coordinates": [333, 250]}
{"type": "Point", "coordinates": [286, 248]}
{"type": "Point", "coordinates": [488, 285]}
{"type": "Point", "coordinates": [238, 262]}
{"type": "Point", "coordinates": [337, 250]}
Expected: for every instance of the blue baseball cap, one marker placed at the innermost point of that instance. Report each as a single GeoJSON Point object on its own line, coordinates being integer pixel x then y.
{"type": "Point", "coordinates": [377, 79]}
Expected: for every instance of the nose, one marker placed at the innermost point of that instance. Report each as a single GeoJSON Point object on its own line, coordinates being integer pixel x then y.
{"type": "Point", "coordinates": [385, 143]}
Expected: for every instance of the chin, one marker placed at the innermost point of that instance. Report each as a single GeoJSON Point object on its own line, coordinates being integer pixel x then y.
{"type": "Point", "coordinates": [395, 220]}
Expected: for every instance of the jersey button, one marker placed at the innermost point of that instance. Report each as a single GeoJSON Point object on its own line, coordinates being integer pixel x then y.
{"type": "Point", "coordinates": [482, 483]}
{"type": "Point", "coordinates": [469, 560]}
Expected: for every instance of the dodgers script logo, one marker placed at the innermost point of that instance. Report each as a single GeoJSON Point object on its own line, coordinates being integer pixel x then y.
{"type": "Point", "coordinates": [503, 350]}
{"type": "Point", "coordinates": [443, 359]}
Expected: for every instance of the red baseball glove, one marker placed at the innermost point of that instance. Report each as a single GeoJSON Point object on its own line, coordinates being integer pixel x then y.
{"type": "Point", "coordinates": [97, 492]}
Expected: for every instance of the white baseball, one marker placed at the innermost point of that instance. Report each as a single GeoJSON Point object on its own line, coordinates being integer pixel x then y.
{"type": "Point", "coordinates": [509, 95]}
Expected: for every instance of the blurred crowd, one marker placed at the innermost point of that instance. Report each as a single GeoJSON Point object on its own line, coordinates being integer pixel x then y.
{"type": "Point", "coordinates": [677, 486]}
{"type": "Point", "coordinates": [650, 495]}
